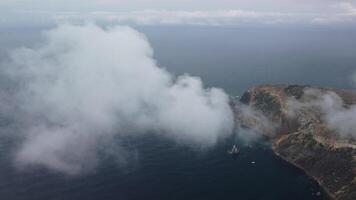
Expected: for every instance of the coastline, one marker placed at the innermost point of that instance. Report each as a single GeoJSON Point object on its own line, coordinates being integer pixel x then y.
{"type": "Point", "coordinates": [304, 139]}
{"type": "Point", "coordinates": [329, 196]}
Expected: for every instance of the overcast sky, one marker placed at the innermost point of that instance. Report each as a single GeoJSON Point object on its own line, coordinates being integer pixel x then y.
{"type": "Point", "coordinates": [172, 12]}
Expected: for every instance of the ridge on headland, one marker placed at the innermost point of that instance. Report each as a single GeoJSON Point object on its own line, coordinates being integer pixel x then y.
{"type": "Point", "coordinates": [302, 136]}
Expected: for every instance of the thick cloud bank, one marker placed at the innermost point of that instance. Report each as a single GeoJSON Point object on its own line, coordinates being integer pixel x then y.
{"type": "Point", "coordinates": [84, 85]}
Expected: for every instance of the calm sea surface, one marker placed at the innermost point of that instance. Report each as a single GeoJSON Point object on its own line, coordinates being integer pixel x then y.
{"type": "Point", "coordinates": [231, 58]}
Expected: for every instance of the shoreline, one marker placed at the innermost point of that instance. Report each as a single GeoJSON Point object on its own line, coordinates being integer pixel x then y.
{"type": "Point", "coordinates": [329, 196]}
{"type": "Point", "coordinates": [304, 140]}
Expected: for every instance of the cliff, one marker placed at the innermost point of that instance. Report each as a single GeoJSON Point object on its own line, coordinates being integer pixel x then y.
{"type": "Point", "coordinates": [302, 136]}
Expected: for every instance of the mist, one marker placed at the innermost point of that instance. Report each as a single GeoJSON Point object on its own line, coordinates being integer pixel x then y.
{"type": "Point", "coordinates": [337, 115]}
{"type": "Point", "coordinates": [256, 120]}
{"type": "Point", "coordinates": [84, 85]}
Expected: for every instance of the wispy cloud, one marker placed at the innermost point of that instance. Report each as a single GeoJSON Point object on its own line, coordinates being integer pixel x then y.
{"type": "Point", "coordinates": [345, 13]}
{"type": "Point", "coordinates": [167, 17]}
{"type": "Point", "coordinates": [337, 115]}
{"type": "Point", "coordinates": [180, 12]}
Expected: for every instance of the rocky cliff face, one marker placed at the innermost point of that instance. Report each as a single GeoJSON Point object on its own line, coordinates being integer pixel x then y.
{"type": "Point", "coordinates": [302, 136]}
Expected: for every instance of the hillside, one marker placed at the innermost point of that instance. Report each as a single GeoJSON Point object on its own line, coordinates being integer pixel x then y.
{"type": "Point", "coordinates": [299, 121]}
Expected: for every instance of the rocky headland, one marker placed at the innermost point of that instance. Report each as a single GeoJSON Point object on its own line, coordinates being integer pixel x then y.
{"type": "Point", "coordinates": [294, 120]}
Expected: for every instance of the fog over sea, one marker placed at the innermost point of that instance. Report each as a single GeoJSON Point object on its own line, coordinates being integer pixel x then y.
{"type": "Point", "coordinates": [230, 58]}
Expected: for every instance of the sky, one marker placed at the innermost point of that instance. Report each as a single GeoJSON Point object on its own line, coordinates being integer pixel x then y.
{"type": "Point", "coordinates": [179, 12]}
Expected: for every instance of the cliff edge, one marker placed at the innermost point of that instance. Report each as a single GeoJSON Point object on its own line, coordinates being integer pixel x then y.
{"type": "Point", "coordinates": [302, 122]}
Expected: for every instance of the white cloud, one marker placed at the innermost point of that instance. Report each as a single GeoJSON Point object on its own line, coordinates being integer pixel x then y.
{"type": "Point", "coordinates": [85, 85]}
{"type": "Point", "coordinates": [166, 17]}
{"type": "Point", "coordinates": [256, 121]}
{"type": "Point", "coordinates": [335, 113]}
{"type": "Point", "coordinates": [183, 12]}
{"type": "Point", "coordinates": [345, 12]}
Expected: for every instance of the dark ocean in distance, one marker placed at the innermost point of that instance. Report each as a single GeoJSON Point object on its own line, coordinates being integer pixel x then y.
{"type": "Point", "coordinates": [231, 58]}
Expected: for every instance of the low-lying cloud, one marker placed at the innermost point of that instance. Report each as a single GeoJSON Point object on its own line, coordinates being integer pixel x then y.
{"type": "Point", "coordinates": [336, 13]}
{"type": "Point", "coordinates": [84, 85]}
{"type": "Point", "coordinates": [176, 17]}
{"type": "Point", "coordinates": [344, 13]}
{"type": "Point", "coordinates": [255, 120]}
{"type": "Point", "coordinates": [334, 112]}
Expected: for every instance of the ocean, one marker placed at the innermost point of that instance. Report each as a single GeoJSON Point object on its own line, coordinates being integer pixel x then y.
{"type": "Point", "coordinates": [233, 59]}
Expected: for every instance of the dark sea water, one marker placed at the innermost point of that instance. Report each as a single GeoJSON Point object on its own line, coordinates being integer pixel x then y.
{"type": "Point", "coordinates": [166, 170]}
{"type": "Point", "coordinates": [233, 59]}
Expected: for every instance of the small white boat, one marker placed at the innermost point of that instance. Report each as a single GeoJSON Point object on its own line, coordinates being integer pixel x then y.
{"type": "Point", "coordinates": [234, 151]}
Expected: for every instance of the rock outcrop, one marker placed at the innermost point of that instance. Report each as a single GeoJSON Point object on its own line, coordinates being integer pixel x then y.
{"type": "Point", "coordinates": [302, 137]}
